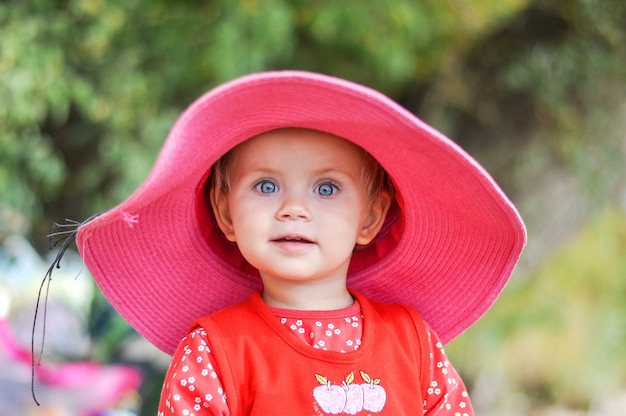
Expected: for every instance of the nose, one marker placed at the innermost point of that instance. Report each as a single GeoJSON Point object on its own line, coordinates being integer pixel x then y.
{"type": "Point", "coordinates": [293, 207]}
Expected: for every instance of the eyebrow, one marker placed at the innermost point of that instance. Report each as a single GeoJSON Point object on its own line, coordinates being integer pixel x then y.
{"type": "Point", "coordinates": [331, 171]}
{"type": "Point", "coordinates": [320, 172]}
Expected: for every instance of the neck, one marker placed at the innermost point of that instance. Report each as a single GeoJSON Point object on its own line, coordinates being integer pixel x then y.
{"type": "Point", "coordinates": [307, 295]}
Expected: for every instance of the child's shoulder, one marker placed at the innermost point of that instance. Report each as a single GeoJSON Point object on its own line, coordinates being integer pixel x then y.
{"type": "Point", "coordinates": [233, 312]}
{"type": "Point", "coordinates": [392, 312]}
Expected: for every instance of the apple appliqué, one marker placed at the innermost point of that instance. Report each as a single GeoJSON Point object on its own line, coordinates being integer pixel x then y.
{"type": "Point", "coordinates": [350, 398]}
{"type": "Point", "coordinates": [374, 395]}
{"type": "Point", "coordinates": [354, 395]}
{"type": "Point", "coordinates": [331, 398]}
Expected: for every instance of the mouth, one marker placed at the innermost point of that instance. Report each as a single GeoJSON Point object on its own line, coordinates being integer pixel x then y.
{"type": "Point", "coordinates": [292, 239]}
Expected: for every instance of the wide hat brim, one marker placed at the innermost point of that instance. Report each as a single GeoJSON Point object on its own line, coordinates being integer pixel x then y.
{"type": "Point", "coordinates": [448, 248]}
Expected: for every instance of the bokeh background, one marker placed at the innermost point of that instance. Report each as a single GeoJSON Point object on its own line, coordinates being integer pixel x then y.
{"type": "Point", "coordinates": [535, 90]}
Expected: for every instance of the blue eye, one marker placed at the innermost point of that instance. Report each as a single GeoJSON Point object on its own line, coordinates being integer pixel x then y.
{"type": "Point", "coordinates": [326, 189]}
{"type": "Point", "coordinates": [266, 187]}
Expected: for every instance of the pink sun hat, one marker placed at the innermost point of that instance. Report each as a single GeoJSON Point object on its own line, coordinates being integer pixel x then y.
{"type": "Point", "coordinates": [448, 247]}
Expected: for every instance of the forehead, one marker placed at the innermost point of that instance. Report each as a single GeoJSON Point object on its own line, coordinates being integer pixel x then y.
{"type": "Point", "coordinates": [292, 144]}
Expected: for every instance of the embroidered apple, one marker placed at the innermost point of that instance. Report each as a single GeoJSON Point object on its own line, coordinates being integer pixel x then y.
{"type": "Point", "coordinates": [354, 395]}
{"type": "Point", "coordinates": [374, 395]}
{"type": "Point", "coordinates": [332, 399]}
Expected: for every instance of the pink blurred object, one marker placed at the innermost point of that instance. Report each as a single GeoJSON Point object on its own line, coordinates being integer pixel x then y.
{"type": "Point", "coordinates": [79, 388]}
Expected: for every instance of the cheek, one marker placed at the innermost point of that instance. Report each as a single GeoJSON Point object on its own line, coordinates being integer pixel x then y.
{"type": "Point", "coordinates": [344, 222]}
{"type": "Point", "coordinates": [248, 218]}
{"type": "Point", "coordinates": [349, 212]}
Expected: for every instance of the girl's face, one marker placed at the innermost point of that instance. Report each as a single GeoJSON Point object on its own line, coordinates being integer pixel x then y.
{"type": "Point", "coordinates": [297, 205]}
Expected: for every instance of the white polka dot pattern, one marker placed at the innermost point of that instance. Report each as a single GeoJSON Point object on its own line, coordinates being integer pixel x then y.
{"type": "Point", "coordinates": [193, 388]}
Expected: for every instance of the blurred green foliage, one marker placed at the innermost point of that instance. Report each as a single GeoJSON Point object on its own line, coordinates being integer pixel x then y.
{"type": "Point", "coordinates": [89, 89]}
{"type": "Point", "coordinates": [559, 336]}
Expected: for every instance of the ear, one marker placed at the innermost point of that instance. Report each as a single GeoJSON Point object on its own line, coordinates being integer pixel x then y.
{"type": "Point", "coordinates": [374, 219]}
{"type": "Point", "coordinates": [221, 211]}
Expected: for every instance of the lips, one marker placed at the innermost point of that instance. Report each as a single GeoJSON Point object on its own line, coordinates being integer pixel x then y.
{"type": "Point", "coordinates": [292, 239]}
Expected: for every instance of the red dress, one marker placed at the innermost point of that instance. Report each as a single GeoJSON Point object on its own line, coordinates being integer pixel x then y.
{"type": "Point", "coordinates": [193, 386]}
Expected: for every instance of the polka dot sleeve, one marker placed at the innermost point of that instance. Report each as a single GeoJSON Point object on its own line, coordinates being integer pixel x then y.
{"type": "Point", "coordinates": [192, 386]}
{"type": "Point", "coordinates": [446, 393]}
